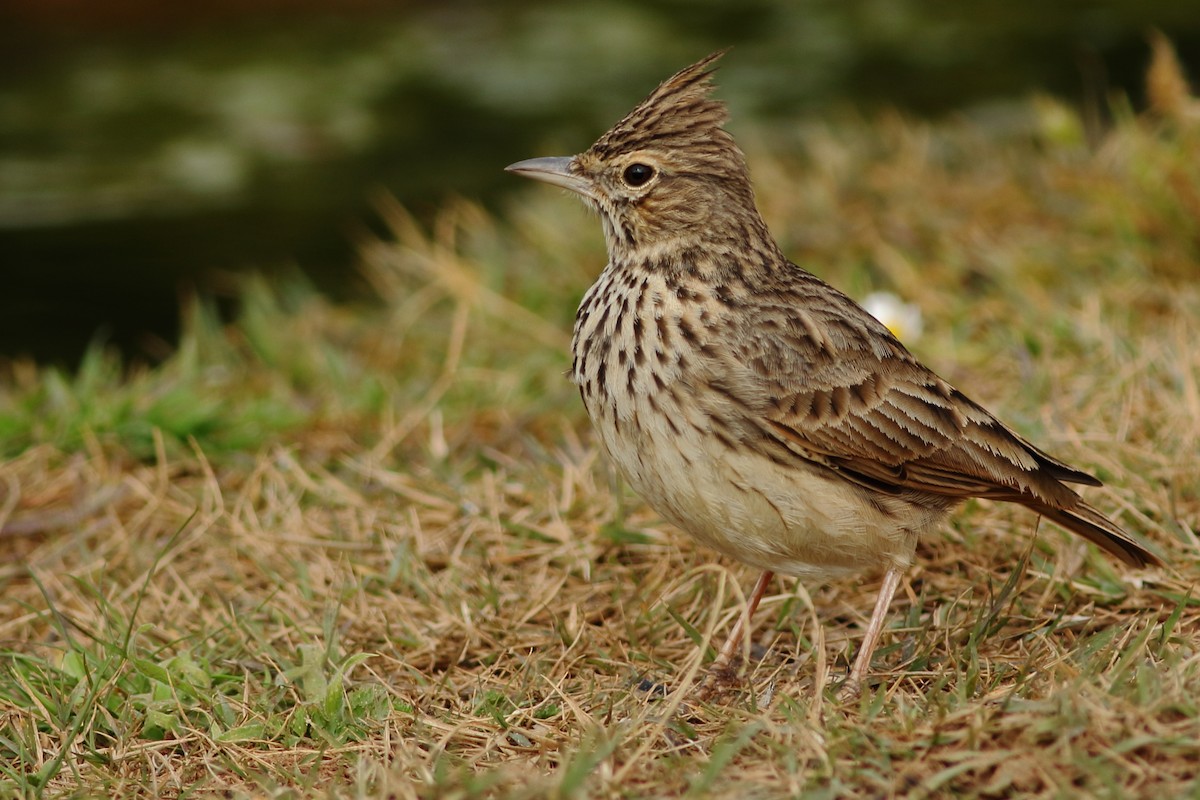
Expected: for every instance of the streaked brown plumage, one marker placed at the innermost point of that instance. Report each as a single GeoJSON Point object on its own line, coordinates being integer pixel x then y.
{"type": "Point", "coordinates": [754, 405]}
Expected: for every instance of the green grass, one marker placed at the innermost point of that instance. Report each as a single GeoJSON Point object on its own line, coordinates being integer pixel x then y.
{"type": "Point", "coordinates": [373, 552]}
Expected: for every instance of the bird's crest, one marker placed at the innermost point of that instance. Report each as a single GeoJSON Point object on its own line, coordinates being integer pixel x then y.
{"type": "Point", "coordinates": [679, 112]}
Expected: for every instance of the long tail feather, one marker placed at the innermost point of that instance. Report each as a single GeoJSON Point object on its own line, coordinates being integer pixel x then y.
{"type": "Point", "coordinates": [1099, 529]}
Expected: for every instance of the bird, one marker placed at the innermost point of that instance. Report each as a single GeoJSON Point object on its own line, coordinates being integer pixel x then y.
{"type": "Point", "coordinates": [755, 406]}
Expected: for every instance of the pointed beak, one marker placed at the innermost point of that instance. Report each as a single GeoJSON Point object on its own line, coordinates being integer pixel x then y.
{"type": "Point", "coordinates": [555, 170]}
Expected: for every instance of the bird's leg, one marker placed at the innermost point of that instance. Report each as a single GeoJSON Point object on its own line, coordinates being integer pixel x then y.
{"type": "Point", "coordinates": [721, 669]}
{"type": "Point", "coordinates": [891, 582]}
{"type": "Point", "coordinates": [729, 649]}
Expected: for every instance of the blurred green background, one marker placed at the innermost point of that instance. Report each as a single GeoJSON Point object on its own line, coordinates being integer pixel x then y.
{"type": "Point", "coordinates": [150, 149]}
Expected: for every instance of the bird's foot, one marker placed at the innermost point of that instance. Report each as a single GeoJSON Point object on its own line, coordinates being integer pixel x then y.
{"type": "Point", "coordinates": [850, 690]}
{"type": "Point", "coordinates": [720, 680]}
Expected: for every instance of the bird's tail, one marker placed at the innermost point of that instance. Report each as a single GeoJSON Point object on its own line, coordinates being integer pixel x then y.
{"type": "Point", "coordinates": [1099, 529]}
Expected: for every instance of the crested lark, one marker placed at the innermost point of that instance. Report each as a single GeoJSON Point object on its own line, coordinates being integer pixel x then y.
{"type": "Point", "coordinates": [752, 404]}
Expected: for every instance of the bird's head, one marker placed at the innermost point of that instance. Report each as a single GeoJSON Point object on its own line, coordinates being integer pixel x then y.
{"type": "Point", "coordinates": [665, 175]}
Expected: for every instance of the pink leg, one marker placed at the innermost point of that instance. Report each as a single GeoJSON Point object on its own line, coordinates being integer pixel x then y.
{"type": "Point", "coordinates": [891, 582]}
{"type": "Point", "coordinates": [730, 648]}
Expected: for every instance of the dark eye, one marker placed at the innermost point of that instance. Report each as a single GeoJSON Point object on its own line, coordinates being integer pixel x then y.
{"type": "Point", "coordinates": [637, 174]}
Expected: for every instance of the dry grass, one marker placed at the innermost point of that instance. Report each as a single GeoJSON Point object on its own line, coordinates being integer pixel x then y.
{"type": "Point", "coordinates": [376, 553]}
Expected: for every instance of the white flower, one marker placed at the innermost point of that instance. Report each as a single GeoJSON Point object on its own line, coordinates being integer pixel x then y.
{"type": "Point", "coordinates": [901, 318]}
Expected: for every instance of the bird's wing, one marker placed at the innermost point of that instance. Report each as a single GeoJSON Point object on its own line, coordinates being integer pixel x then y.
{"type": "Point", "coordinates": [835, 386]}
